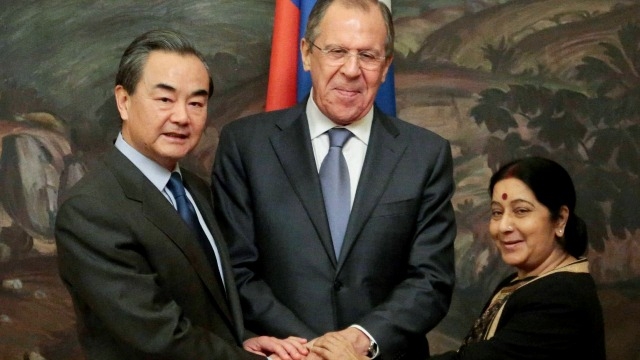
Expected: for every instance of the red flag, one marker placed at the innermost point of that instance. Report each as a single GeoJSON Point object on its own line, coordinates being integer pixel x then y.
{"type": "Point", "coordinates": [281, 91]}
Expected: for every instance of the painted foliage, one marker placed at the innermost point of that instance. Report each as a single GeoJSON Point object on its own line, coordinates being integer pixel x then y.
{"type": "Point", "coordinates": [499, 79]}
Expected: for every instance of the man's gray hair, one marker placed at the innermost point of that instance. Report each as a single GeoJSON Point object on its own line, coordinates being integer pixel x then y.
{"type": "Point", "coordinates": [320, 9]}
{"type": "Point", "coordinates": [136, 55]}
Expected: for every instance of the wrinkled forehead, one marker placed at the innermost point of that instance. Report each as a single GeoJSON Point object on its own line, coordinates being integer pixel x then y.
{"type": "Point", "coordinates": [352, 25]}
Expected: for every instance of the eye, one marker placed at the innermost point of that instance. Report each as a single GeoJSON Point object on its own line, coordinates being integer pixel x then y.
{"type": "Point", "coordinates": [367, 56]}
{"type": "Point", "coordinates": [337, 53]}
{"type": "Point", "coordinates": [496, 214]}
{"type": "Point", "coordinates": [521, 211]}
{"type": "Point", "coordinates": [164, 99]}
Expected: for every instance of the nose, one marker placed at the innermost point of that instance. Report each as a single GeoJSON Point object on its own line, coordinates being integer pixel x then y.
{"type": "Point", "coordinates": [180, 113]}
{"type": "Point", "coordinates": [506, 224]}
{"type": "Point", "coordinates": [351, 66]}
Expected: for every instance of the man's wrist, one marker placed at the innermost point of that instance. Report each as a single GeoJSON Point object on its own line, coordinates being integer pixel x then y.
{"type": "Point", "coordinates": [373, 350]}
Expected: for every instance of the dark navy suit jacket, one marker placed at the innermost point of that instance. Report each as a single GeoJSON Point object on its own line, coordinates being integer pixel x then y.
{"type": "Point", "coordinates": [395, 273]}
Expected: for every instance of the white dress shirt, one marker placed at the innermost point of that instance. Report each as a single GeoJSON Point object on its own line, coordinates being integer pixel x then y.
{"type": "Point", "coordinates": [355, 148]}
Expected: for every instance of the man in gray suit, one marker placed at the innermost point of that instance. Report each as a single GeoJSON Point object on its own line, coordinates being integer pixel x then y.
{"type": "Point", "coordinates": [385, 278]}
{"type": "Point", "coordinates": [147, 281]}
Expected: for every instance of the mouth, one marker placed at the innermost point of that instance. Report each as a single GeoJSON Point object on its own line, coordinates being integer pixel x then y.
{"type": "Point", "coordinates": [511, 244]}
{"type": "Point", "coordinates": [176, 136]}
{"type": "Point", "coordinates": [347, 92]}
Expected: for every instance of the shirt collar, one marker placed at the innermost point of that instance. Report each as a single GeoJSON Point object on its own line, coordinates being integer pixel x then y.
{"type": "Point", "coordinates": [319, 123]}
{"type": "Point", "coordinates": [157, 174]}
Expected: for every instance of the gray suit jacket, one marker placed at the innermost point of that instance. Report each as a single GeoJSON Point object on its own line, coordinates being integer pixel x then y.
{"type": "Point", "coordinates": [141, 286]}
{"type": "Point", "coordinates": [395, 273]}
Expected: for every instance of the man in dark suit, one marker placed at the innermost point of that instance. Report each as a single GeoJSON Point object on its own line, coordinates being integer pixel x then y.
{"type": "Point", "coordinates": [143, 284]}
{"type": "Point", "coordinates": [388, 279]}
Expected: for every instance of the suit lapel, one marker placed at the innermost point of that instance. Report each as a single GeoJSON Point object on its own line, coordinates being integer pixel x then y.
{"type": "Point", "coordinates": [384, 151]}
{"type": "Point", "coordinates": [297, 160]}
{"type": "Point", "coordinates": [159, 212]}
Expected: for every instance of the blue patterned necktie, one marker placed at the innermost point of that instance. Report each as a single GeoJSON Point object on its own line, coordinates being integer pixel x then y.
{"type": "Point", "coordinates": [188, 213]}
{"type": "Point", "coordinates": [336, 186]}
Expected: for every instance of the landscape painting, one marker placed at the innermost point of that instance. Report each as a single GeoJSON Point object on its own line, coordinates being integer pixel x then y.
{"type": "Point", "coordinates": [499, 79]}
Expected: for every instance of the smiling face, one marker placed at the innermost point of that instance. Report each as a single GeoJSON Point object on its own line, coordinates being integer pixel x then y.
{"type": "Point", "coordinates": [164, 117]}
{"type": "Point", "coordinates": [523, 230]}
{"type": "Point", "coordinates": [346, 93]}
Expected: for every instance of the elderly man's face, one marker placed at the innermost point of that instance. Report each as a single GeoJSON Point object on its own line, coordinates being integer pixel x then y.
{"type": "Point", "coordinates": [165, 116]}
{"type": "Point", "coordinates": [346, 92]}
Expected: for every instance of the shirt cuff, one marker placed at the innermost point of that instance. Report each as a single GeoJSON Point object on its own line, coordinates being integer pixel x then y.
{"type": "Point", "coordinates": [375, 349]}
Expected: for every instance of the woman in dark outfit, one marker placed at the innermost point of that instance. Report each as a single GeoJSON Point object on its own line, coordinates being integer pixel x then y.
{"type": "Point", "coordinates": [548, 309]}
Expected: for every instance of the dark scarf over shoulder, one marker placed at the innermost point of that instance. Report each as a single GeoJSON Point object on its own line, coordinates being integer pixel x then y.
{"type": "Point", "coordinates": [485, 326]}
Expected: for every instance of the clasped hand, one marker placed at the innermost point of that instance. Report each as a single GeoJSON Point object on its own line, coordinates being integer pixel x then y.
{"type": "Point", "coordinates": [337, 346]}
{"type": "Point", "coordinates": [291, 348]}
{"type": "Point", "coordinates": [347, 344]}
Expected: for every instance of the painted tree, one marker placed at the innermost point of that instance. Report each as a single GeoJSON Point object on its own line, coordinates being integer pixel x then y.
{"type": "Point", "coordinates": [595, 133]}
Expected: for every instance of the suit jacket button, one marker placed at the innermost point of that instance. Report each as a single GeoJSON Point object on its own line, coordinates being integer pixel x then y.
{"type": "Point", "coordinates": [337, 285]}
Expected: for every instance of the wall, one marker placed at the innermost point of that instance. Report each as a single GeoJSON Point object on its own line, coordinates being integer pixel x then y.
{"type": "Point", "coordinates": [499, 79]}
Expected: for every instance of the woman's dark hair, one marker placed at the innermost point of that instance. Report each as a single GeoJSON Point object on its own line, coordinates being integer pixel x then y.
{"type": "Point", "coordinates": [552, 186]}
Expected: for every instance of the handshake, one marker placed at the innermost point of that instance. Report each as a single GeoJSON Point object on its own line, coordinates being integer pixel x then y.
{"type": "Point", "coordinates": [347, 344]}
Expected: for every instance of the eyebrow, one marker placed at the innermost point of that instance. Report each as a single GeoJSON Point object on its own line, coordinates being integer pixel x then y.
{"type": "Point", "coordinates": [163, 86]}
{"type": "Point", "coordinates": [514, 201]}
{"type": "Point", "coordinates": [201, 92]}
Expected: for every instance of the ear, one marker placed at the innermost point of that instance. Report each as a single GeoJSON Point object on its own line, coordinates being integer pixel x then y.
{"type": "Point", "coordinates": [563, 216]}
{"type": "Point", "coordinates": [305, 52]}
{"type": "Point", "coordinates": [122, 101]}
